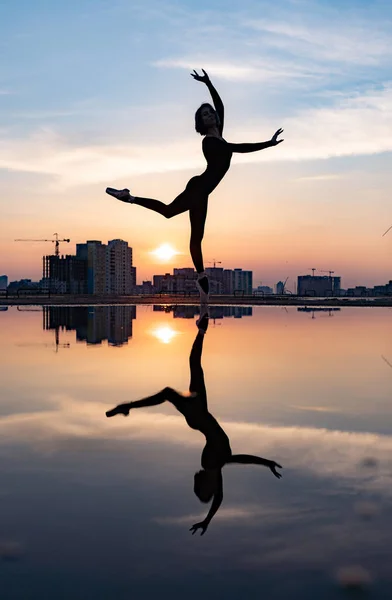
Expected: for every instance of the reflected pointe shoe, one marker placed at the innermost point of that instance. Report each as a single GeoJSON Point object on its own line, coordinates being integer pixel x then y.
{"type": "Point", "coordinates": [202, 285]}
{"type": "Point", "coordinates": [121, 409]}
{"type": "Point", "coordinates": [203, 320]}
{"type": "Point", "coordinates": [122, 195]}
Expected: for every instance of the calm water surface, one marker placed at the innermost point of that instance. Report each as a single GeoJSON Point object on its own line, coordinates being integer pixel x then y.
{"type": "Point", "coordinates": [101, 508]}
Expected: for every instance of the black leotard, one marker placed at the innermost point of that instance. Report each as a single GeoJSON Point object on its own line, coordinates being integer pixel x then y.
{"type": "Point", "coordinates": [218, 155]}
{"type": "Point", "coordinates": [217, 450]}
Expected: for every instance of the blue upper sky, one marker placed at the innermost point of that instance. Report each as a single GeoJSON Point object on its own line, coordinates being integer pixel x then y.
{"type": "Point", "coordinates": [81, 63]}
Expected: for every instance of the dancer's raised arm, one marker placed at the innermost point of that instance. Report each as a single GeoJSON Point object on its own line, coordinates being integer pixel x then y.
{"type": "Point", "coordinates": [248, 459]}
{"type": "Point", "coordinates": [218, 104]}
{"type": "Point", "coordinates": [258, 145]}
{"type": "Point", "coordinates": [217, 501]}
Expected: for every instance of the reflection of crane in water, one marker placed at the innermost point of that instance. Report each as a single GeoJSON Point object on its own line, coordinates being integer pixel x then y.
{"type": "Point", "coordinates": [56, 343]}
{"type": "Point", "coordinates": [57, 340]}
{"type": "Point", "coordinates": [308, 309]}
{"type": "Point", "coordinates": [386, 360]}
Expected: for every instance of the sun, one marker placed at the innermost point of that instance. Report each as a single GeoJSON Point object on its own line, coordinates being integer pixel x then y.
{"type": "Point", "coordinates": [164, 252]}
{"type": "Point", "coordinates": [164, 334]}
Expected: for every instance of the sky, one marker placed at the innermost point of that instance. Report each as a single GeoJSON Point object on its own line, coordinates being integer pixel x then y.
{"type": "Point", "coordinates": [97, 93]}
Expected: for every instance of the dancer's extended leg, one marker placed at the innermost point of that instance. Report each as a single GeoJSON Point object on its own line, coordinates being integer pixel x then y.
{"type": "Point", "coordinates": [166, 394]}
{"type": "Point", "coordinates": [180, 204]}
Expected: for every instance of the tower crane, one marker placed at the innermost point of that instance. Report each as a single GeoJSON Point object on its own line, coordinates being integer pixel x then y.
{"type": "Point", "coordinates": [215, 262]}
{"type": "Point", "coordinates": [330, 272]}
{"type": "Point", "coordinates": [313, 270]}
{"type": "Point", "coordinates": [56, 242]}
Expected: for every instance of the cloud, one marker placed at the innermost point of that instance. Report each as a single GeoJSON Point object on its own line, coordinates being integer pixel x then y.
{"type": "Point", "coordinates": [320, 452]}
{"type": "Point", "coordinates": [326, 38]}
{"type": "Point", "coordinates": [356, 124]}
{"type": "Point", "coordinates": [326, 177]}
{"type": "Point", "coordinates": [49, 153]}
{"type": "Point", "coordinates": [254, 71]}
{"type": "Point", "coordinates": [232, 513]}
{"type": "Point", "coordinates": [323, 409]}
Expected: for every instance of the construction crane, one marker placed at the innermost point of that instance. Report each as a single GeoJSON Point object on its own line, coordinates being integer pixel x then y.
{"type": "Point", "coordinates": [215, 262]}
{"type": "Point", "coordinates": [284, 285]}
{"type": "Point", "coordinates": [313, 270]}
{"type": "Point", "coordinates": [56, 343]}
{"type": "Point", "coordinates": [330, 272]}
{"type": "Point", "coordinates": [56, 241]}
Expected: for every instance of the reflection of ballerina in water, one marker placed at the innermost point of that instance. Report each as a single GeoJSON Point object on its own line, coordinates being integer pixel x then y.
{"type": "Point", "coordinates": [218, 153]}
{"type": "Point", "coordinates": [217, 452]}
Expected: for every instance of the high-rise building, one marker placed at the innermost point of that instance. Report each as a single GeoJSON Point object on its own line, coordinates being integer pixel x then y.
{"type": "Point", "coordinates": [3, 282]}
{"type": "Point", "coordinates": [95, 253]}
{"type": "Point", "coordinates": [316, 285]}
{"type": "Point", "coordinates": [65, 274]}
{"type": "Point", "coordinates": [119, 278]}
{"type": "Point", "coordinates": [216, 281]}
{"type": "Point", "coordinates": [188, 272]}
{"type": "Point", "coordinates": [228, 281]}
{"type": "Point", "coordinates": [133, 278]}
{"type": "Point", "coordinates": [280, 288]}
{"type": "Point", "coordinates": [243, 281]}
{"type": "Point", "coordinates": [235, 280]}
{"type": "Point", "coordinates": [182, 281]}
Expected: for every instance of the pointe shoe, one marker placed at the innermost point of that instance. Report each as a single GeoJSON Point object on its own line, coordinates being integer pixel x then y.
{"type": "Point", "coordinates": [203, 320]}
{"type": "Point", "coordinates": [121, 409]}
{"type": "Point", "coordinates": [204, 296]}
{"type": "Point", "coordinates": [122, 195]}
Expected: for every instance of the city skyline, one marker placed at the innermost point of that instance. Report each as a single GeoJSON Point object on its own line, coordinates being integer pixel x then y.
{"type": "Point", "coordinates": [122, 287]}
{"type": "Point", "coordinates": [320, 72]}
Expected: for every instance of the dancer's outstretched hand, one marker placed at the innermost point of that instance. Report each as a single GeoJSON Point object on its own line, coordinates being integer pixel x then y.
{"type": "Point", "coordinates": [274, 141]}
{"type": "Point", "coordinates": [273, 466]}
{"type": "Point", "coordinates": [204, 78]}
{"type": "Point", "coordinates": [203, 526]}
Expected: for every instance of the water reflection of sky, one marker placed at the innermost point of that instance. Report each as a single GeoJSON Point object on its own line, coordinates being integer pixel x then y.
{"type": "Point", "coordinates": [102, 508]}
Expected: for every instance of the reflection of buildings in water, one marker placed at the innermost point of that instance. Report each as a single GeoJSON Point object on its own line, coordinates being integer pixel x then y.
{"type": "Point", "coordinates": [93, 324]}
{"type": "Point", "coordinates": [216, 312]}
{"type": "Point", "coordinates": [322, 309]}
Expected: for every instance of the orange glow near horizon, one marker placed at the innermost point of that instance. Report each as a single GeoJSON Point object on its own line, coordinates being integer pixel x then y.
{"type": "Point", "coordinates": [261, 218]}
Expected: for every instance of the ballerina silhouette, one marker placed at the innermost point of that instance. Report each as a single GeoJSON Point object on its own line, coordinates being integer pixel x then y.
{"type": "Point", "coordinates": [218, 153]}
{"type": "Point", "coordinates": [208, 483]}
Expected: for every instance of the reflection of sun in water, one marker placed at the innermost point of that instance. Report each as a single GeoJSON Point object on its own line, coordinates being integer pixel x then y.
{"type": "Point", "coordinates": [164, 334]}
{"type": "Point", "coordinates": [164, 252]}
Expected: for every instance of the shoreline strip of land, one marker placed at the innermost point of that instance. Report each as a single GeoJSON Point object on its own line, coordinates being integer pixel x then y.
{"type": "Point", "coordinates": [177, 300]}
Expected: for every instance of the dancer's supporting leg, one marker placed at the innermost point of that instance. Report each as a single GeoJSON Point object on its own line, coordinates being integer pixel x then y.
{"type": "Point", "coordinates": [197, 376]}
{"type": "Point", "coordinates": [197, 216]}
